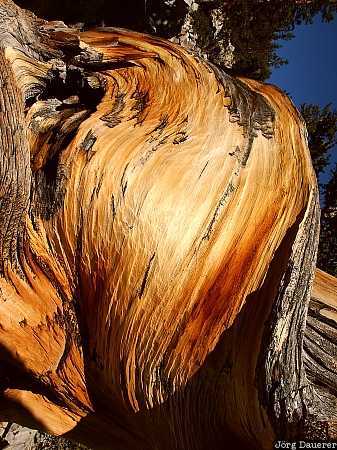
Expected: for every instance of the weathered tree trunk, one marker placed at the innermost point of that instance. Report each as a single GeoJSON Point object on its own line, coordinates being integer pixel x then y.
{"type": "Point", "coordinates": [158, 235]}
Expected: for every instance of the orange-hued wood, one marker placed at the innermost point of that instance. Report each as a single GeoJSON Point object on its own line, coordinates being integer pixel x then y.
{"type": "Point", "coordinates": [158, 247]}
{"type": "Point", "coordinates": [325, 289]}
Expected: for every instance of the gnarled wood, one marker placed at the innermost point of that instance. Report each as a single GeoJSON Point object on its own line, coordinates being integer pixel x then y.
{"type": "Point", "coordinates": [159, 226]}
{"type": "Point", "coordinates": [320, 356]}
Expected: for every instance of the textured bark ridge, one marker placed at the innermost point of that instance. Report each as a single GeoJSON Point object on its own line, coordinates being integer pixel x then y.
{"type": "Point", "coordinates": [158, 235]}
{"type": "Point", "coordinates": [320, 357]}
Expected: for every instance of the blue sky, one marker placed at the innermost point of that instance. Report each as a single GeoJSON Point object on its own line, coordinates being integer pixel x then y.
{"type": "Point", "coordinates": [311, 75]}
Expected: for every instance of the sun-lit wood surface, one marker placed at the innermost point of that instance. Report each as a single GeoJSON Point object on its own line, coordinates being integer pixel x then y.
{"type": "Point", "coordinates": [159, 225]}
{"type": "Point", "coordinates": [325, 289]}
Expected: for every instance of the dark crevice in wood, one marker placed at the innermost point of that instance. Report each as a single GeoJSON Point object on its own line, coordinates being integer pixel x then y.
{"type": "Point", "coordinates": [114, 117]}
{"type": "Point", "coordinates": [88, 143]}
{"type": "Point", "coordinates": [180, 137]}
{"type": "Point", "coordinates": [69, 81]}
{"type": "Point", "coordinates": [124, 181]}
{"type": "Point", "coordinates": [158, 129]}
{"type": "Point", "coordinates": [141, 99]}
{"type": "Point", "coordinates": [49, 188]}
{"type": "Point", "coordinates": [113, 207]}
{"type": "Point", "coordinates": [229, 190]}
{"type": "Point", "coordinates": [146, 274]}
{"type": "Point", "coordinates": [203, 169]}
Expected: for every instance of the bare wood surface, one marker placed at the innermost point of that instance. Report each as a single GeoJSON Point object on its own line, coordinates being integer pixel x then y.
{"type": "Point", "coordinates": [159, 228]}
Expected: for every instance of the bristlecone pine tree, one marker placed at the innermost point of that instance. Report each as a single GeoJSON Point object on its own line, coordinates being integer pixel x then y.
{"type": "Point", "coordinates": [158, 234]}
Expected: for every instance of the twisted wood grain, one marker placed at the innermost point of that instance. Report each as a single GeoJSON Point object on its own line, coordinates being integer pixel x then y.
{"type": "Point", "coordinates": [159, 228]}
